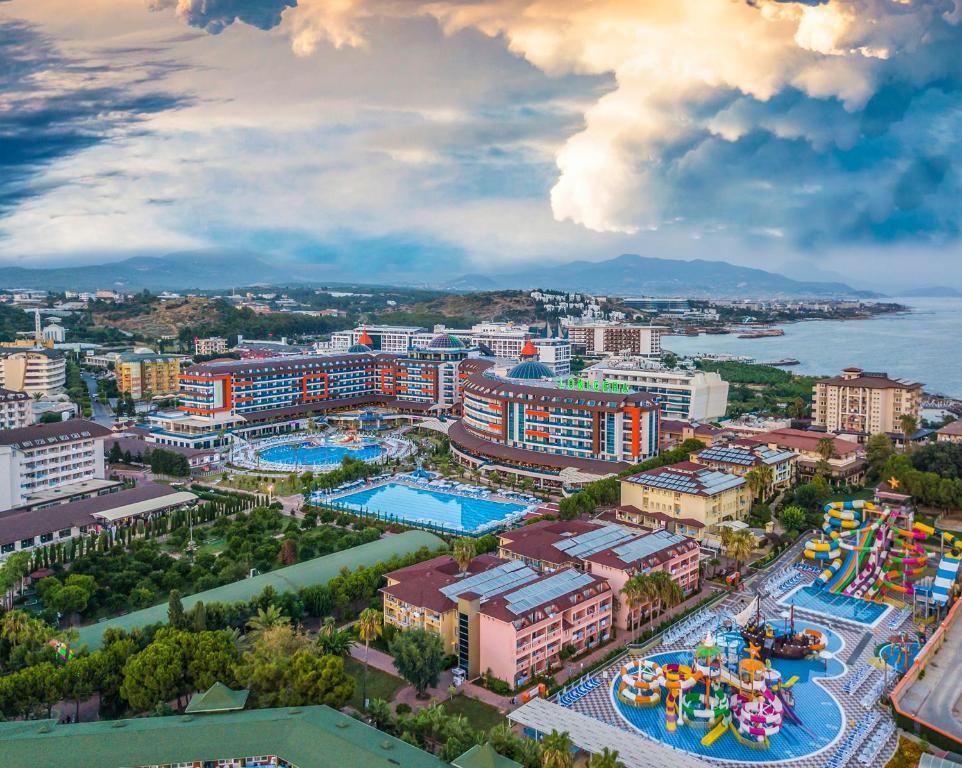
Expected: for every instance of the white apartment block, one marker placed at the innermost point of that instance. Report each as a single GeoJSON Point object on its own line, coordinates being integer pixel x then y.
{"type": "Point", "coordinates": [15, 409]}
{"type": "Point", "coordinates": [386, 338]}
{"type": "Point", "coordinates": [45, 457]}
{"type": "Point", "coordinates": [683, 394]}
{"type": "Point", "coordinates": [862, 403]}
{"type": "Point", "coordinates": [34, 370]}
{"type": "Point", "coordinates": [554, 353]}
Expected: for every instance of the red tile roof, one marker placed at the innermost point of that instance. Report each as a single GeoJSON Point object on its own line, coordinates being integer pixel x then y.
{"type": "Point", "coordinates": [420, 584]}
{"type": "Point", "coordinates": [497, 607]}
{"type": "Point", "coordinates": [805, 441]}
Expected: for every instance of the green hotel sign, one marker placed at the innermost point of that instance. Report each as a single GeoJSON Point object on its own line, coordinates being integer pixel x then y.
{"type": "Point", "coordinates": [604, 385]}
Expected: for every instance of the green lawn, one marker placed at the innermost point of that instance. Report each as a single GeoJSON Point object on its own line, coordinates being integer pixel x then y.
{"type": "Point", "coordinates": [380, 685]}
{"type": "Point", "coordinates": [481, 716]}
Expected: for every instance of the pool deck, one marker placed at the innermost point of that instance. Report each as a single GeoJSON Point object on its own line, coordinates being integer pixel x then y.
{"type": "Point", "coordinates": [598, 704]}
{"type": "Point", "coordinates": [421, 487]}
{"type": "Point", "coordinates": [936, 698]}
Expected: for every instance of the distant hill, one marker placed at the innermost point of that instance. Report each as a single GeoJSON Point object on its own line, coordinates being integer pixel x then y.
{"type": "Point", "coordinates": [630, 274]}
{"type": "Point", "coordinates": [932, 292]}
{"type": "Point", "coordinates": [625, 275]}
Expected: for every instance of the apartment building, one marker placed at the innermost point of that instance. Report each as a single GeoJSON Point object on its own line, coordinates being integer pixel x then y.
{"type": "Point", "coordinates": [686, 498]}
{"type": "Point", "coordinates": [143, 374]}
{"type": "Point", "coordinates": [611, 338]}
{"type": "Point", "coordinates": [613, 552]}
{"type": "Point", "coordinates": [45, 459]}
{"type": "Point", "coordinates": [383, 338]}
{"type": "Point", "coordinates": [555, 354]}
{"type": "Point", "coordinates": [34, 370]}
{"type": "Point", "coordinates": [674, 432]}
{"type": "Point", "coordinates": [212, 345]}
{"type": "Point", "coordinates": [691, 395]}
{"type": "Point", "coordinates": [845, 466]}
{"type": "Point", "coordinates": [15, 411]}
{"type": "Point", "coordinates": [520, 633]}
{"type": "Point", "coordinates": [742, 456]}
{"type": "Point", "coordinates": [862, 404]}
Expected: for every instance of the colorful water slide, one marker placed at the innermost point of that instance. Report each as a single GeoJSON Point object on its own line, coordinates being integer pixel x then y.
{"type": "Point", "coordinates": [948, 570]}
{"type": "Point", "coordinates": [852, 564]}
{"type": "Point", "coordinates": [712, 736]}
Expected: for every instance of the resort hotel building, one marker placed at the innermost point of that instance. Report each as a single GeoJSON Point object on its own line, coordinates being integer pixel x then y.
{"type": "Point", "coordinates": [603, 337]}
{"type": "Point", "coordinates": [685, 394]}
{"type": "Point", "coordinates": [846, 465]}
{"type": "Point", "coordinates": [522, 420]}
{"type": "Point", "coordinates": [15, 411]}
{"type": "Point", "coordinates": [34, 370]}
{"type": "Point", "coordinates": [41, 464]}
{"type": "Point", "coordinates": [741, 456]}
{"type": "Point", "coordinates": [501, 616]}
{"type": "Point", "coordinates": [686, 498]}
{"type": "Point", "coordinates": [862, 404]}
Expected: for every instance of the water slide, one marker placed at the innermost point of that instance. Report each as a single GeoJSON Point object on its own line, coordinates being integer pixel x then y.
{"type": "Point", "coordinates": [948, 570]}
{"type": "Point", "coordinates": [852, 564]}
{"type": "Point", "coordinates": [712, 736]}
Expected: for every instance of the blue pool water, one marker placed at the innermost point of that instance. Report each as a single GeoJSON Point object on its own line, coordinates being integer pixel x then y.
{"type": "Point", "coordinates": [818, 710]}
{"type": "Point", "coordinates": [309, 455]}
{"type": "Point", "coordinates": [898, 657]}
{"type": "Point", "coordinates": [414, 505]}
{"type": "Point", "coordinates": [813, 599]}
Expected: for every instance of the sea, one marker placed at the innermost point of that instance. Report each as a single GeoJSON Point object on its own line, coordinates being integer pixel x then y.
{"type": "Point", "coordinates": [924, 344]}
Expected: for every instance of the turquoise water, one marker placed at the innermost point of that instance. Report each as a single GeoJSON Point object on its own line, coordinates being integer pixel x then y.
{"type": "Point", "coordinates": [320, 455]}
{"type": "Point", "coordinates": [898, 657]}
{"type": "Point", "coordinates": [842, 606]}
{"type": "Point", "coordinates": [414, 505]}
{"type": "Point", "coordinates": [921, 345]}
{"type": "Point", "coordinates": [818, 710]}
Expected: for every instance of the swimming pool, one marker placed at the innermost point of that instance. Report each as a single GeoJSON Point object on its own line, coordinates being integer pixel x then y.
{"type": "Point", "coordinates": [820, 601]}
{"type": "Point", "coordinates": [310, 455]}
{"type": "Point", "coordinates": [819, 712]}
{"type": "Point", "coordinates": [419, 505]}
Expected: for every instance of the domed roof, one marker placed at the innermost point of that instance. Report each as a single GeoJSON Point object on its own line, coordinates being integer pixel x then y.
{"type": "Point", "coordinates": [446, 341]}
{"type": "Point", "coordinates": [530, 369]}
{"type": "Point", "coordinates": [355, 348]}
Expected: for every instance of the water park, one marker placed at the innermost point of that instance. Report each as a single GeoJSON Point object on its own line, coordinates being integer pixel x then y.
{"type": "Point", "coordinates": [794, 670]}
{"type": "Point", "coordinates": [299, 452]}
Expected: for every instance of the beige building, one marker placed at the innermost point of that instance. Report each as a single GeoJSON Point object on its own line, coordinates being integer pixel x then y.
{"type": "Point", "coordinates": [36, 371]}
{"type": "Point", "coordinates": [686, 498]}
{"type": "Point", "coordinates": [950, 433]}
{"type": "Point", "coordinates": [213, 345]}
{"type": "Point", "coordinates": [864, 404]}
{"type": "Point", "coordinates": [15, 409]}
{"type": "Point", "coordinates": [144, 375]}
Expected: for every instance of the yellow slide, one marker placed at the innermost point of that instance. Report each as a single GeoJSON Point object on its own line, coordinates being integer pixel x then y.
{"type": "Point", "coordinates": [712, 736]}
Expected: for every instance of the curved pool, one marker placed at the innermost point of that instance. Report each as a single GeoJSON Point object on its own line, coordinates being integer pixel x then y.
{"type": "Point", "coordinates": [310, 454]}
{"type": "Point", "coordinates": [819, 711]}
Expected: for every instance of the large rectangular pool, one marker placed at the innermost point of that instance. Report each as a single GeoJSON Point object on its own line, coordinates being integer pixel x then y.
{"type": "Point", "coordinates": [431, 509]}
{"type": "Point", "coordinates": [823, 602]}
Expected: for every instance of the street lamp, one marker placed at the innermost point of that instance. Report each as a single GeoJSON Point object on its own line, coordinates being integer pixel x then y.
{"type": "Point", "coordinates": [826, 655]}
{"type": "Point", "coordinates": [270, 492]}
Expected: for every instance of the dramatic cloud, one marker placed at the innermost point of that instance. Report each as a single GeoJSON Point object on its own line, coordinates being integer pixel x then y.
{"type": "Point", "coordinates": [825, 121]}
{"type": "Point", "coordinates": [214, 16]}
{"type": "Point", "coordinates": [55, 106]}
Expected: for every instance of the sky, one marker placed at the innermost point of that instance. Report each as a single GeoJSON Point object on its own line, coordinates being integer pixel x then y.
{"type": "Point", "coordinates": [433, 138]}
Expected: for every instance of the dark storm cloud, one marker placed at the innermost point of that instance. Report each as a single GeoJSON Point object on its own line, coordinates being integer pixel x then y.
{"type": "Point", "coordinates": [56, 108]}
{"type": "Point", "coordinates": [214, 16]}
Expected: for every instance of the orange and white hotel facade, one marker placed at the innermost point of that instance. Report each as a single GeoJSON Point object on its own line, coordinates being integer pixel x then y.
{"type": "Point", "coordinates": [528, 423]}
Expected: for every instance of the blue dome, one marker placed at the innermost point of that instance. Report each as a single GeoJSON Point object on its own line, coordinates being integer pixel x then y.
{"type": "Point", "coordinates": [445, 341]}
{"type": "Point", "coordinates": [530, 369]}
{"type": "Point", "coordinates": [355, 348]}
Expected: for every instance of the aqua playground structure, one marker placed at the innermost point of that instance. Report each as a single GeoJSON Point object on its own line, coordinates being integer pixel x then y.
{"type": "Point", "coordinates": [869, 551]}
{"type": "Point", "coordinates": [746, 697]}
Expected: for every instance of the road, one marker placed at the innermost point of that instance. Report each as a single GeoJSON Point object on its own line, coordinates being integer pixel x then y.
{"type": "Point", "coordinates": [102, 414]}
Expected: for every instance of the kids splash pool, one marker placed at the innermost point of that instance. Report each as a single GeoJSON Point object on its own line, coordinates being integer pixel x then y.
{"type": "Point", "coordinates": [816, 600]}
{"type": "Point", "coordinates": [810, 724]}
{"type": "Point", "coordinates": [438, 509]}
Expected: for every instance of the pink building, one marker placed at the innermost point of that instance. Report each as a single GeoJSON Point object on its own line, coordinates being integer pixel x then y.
{"type": "Point", "coordinates": [612, 552]}
{"type": "Point", "coordinates": [521, 633]}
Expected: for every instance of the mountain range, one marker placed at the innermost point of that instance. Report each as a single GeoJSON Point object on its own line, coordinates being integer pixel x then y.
{"type": "Point", "coordinates": [626, 275]}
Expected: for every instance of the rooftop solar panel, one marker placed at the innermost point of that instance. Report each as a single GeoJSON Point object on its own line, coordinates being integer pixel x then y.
{"type": "Point", "coordinates": [647, 545]}
{"type": "Point", "coordinates": [593, 541]}
{"type": "Point", "coordinates": [493, 581]}
{"type": "Point", "coordinates": [541, 592]}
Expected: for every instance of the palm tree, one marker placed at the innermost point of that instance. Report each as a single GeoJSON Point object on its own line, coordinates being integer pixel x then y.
{"type": "Point", "coordinates": [631, 593]}
{"type": "Point", "coordinates": [669, 591]}
{"type": "Point", "coordinates": [333, 641]}
{"type": "Point", "coordinates": [908, 424]}
{"type": "Point", "coordinates": [370, 625]}
{"type": "Point", "coordinates": [755, 482]}
{"type": "Point", "coordinates": [463, 551]}
{"type": "Point", "coordinates": [556, 750]}
{"type": "Point", "coordinates": [739, 546]}
{"type": "Point", "coordinates": [607, 758]}
{"type": "Point", "coordinates": [267, 619]}
{"type": "Point", "coordinates": [380, 714]}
